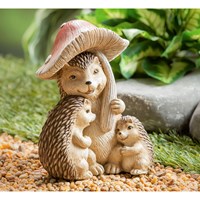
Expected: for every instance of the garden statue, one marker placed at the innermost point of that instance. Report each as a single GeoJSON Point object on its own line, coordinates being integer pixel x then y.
{"type": "Point", "coordinates": [63, 149]}
{"type": "Point", "coordinates": [79, 61]}
{"type": "Point", "coordinates": [134, 150]}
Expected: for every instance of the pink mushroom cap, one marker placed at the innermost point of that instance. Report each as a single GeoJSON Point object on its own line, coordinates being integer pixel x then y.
{"type": "Point", "coordinates": [75, 37]}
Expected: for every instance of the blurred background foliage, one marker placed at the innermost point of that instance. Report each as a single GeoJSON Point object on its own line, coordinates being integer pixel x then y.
{"type": "Point", "coordinates": [38, 38]}
{"type": "Point", "coordinates": [164, 43]}
{"type": "Point", "coordinates": [13, 24]}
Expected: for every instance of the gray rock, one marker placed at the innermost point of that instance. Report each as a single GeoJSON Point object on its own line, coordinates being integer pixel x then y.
{"type": "Point", "coordinates": [158, 106]}
{"type": "Point", "coordinates": [195, 123]}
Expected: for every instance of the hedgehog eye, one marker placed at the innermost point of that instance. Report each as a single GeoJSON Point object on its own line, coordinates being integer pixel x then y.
{"type": "Point", "coordinates": [87, 111]}
{"type": "Point", "coordinates": [72, 77]}
{"type": "Point", "coordinates": [117, 130]}
{"type": "Point", "coordinates": [96, 71]}
{"type": "Point", "coordinates": [130, 127]}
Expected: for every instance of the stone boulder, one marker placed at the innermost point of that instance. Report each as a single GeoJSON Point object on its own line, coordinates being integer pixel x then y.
{"type": "Point", "coordinates": [195, 123]}
{"type": "Point", "coordinates": [159, 106]}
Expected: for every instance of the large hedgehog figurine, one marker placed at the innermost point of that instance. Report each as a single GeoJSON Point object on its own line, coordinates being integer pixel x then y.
{"type": "Point", "coordinates": [63, 149]}
{"type": "Point", "coordinates": [134, 150]}
{"type": "Point", "coordinates": [79, 61]}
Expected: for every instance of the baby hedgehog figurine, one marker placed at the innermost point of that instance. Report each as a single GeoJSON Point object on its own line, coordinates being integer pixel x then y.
{"type": "Point", "coordinates": [134, 151]}
{"type": "Point", "coordinates": [63, 150]}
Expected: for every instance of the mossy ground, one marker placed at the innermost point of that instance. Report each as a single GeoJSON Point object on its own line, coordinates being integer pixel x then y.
{"type": "Point", "coordinates": [25, 101]}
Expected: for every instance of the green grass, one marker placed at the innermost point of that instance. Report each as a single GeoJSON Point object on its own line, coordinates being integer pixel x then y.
{"type": "Point", "coordinates": [25, 101]}
{"type": "Point", "coordinates": [177, 151]}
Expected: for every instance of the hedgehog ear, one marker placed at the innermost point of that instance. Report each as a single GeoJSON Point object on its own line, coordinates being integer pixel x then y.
{"type": "Point", "coordinates": [96, 60]}
{"type": "Point", "coordinates": [129, 120]}
{"type": "Point", "coordinates": [87, 102]}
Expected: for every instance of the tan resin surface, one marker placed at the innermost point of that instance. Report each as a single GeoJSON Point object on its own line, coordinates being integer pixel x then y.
{"type": "Point", "coordinates": [63, 149]}
{"type": "Point", "coordinates": [134, 150]}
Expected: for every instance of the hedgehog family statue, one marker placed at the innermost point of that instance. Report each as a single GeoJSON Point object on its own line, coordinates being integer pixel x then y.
{"type": "Point", "coordinates": [72, 146]}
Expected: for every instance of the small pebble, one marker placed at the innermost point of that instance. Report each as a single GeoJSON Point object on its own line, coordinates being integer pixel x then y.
{"type": "Point", "coordinates": [154, 180]}
{"type": "Point", "coordinates": [25, 175]}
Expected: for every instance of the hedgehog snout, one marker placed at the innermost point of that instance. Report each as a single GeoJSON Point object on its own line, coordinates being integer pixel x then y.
{"type": "Point", "coordinates": [121, 135]}
{"type": "Point", "coordinates": [93, 117]}
{"type": "Point", "coordinates": [88, 82]}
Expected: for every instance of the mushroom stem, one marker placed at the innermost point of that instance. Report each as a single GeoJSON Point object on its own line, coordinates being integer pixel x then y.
{"type": "Point", "coordinates": [109, 93]}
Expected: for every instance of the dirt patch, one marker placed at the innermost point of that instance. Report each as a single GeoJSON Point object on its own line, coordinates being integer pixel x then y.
{"type": "Point", "coordinates": [21, 170]}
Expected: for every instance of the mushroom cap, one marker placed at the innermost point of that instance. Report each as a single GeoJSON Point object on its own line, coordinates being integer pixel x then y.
{"type": "Point", "coordinates": [75, 37]}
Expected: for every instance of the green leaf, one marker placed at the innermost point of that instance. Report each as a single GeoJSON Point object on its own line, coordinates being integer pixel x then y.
{"type": "Point", "coordinates": [105, 16]}
{"type": "Point", "coordinates": [120, 27]}
{"type": "Point", "coordinates": [192, 35]}
{"type": "Point", "coordinates": [131, 56]}
{"type": "Point", "coordinates": [128, 67]}
{"type": "Point", "coordinates": [179, 68]}
{"type": "Point", "coordinates": [183, 14]}
{"type": "Point", "coordinates": [171, 20]}
{"type": "Point", "coordinates": [161, 70]}
{"type": "Point", "coordinates": [113, 22]}
{"type": "Point", "coordinates": [139, 25]}
{"type": "Point", "coordinates": [173, 46]}
{"type": "Point", "coordinates": [115, 68]}
{"type": "Point", "coordinates": [157, 69]}
{"type": "Point", "coordinates": [155, 19]}
{"type": "Point", "coordinates": [113, 19]}
{"type": "Point", "coordinates": [89, 16]}
{"type": "Point", "coordinates": [191, 19]}
{"type": "Point", "coordinates": [133, 32]}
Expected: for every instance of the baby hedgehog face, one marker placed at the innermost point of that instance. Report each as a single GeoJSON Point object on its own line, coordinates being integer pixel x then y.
{"type": "Point", "coordinates": [84, 115]}
{"type": "Point", "coordinates": [126, 131]}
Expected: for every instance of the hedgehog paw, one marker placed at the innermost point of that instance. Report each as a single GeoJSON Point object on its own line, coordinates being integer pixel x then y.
{"type": "Point", "coordinates": [97, 169]}
{"type": "Point", "coordinates": [88, 175]}
{"type": "Point", "coordinates": [111, 168]}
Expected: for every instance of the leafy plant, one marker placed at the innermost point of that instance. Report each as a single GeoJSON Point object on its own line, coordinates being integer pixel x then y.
{"type": "Point", "coordinates": [164, 43]}
{"type": "Point", "coordinates": [38, 38]}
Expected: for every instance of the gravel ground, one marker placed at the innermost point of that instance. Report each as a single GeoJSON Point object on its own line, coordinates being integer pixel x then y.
{"type": "Point", "coordinates": [21, 170]}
